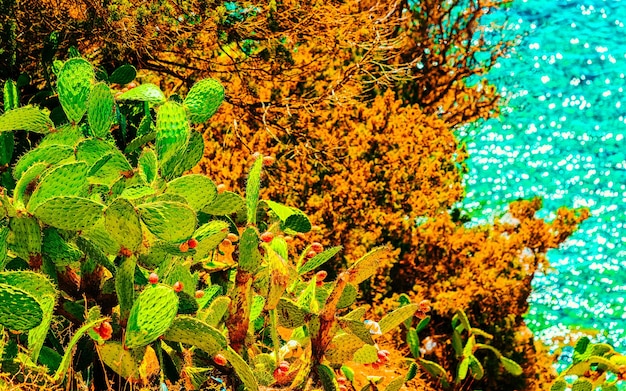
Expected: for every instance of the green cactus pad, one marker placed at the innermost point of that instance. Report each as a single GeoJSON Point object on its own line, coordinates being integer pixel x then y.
{"type": "Point", "coordinates": [511, 366]}
{"type": "Point", "coordinates": [203, 100]}
{"type": "Point", "coordinates": [214, 314]}
{"type": "Point", "coordinates": [367, 265]}
{"type": "Point", "coordinates": [191, 154]}
{"type": "Point", "coordinates": [319, 260]}
{"type": "Point", "coordinates": [7, 146]}
{"type": "Point", "coordinates": [434, 369]}
{"type": "Point", "coordinates": [66, 180]}
{"type": "Point", "coordinates": [291, 218]}
{"type": "Point", "coordinates": [357, 327]}
{"type": "Point", "coordinates": [91, 150]}
{"type": "Point", "coordinates": [253, 187]}
{"type": "Point", "coordinates": [100, 110]}
{"type": "Point", "coordinates": [225, 203]}
{"type": "Point", "coordinates": [25, 236]}
{"type": "Point", "coordinates": [125, 285]}
{"type": "Point", "coordinates": [122, 222]}
{"type": "Point", "coordinates": [395, 385]}
{"type": "Point", "coordinates": [18, 301]}
{"type": "Point", "coordinates": [170, 221]}
{"type": "Point", "coordinates": [559, 385]}
{"type": "Point", "coordinates": [357, 313]}
{"type": "Point", "coordinates": [74, 84]}
{"type": "Point", "coordinates": [241, 369]}
{"type": "Point", "coordinates": [290, 315]}
{"type": "Point", "coordinates": [249, 254]}
{"type": "Point", "coordinates": [147, 165]}
{"type": "Point", "coordinates": [27, 118]}
{"type": "Point", "coordinates": [69, 213]}
{"type": "Point", "coordinates": [34, 283]}
{"type": "Point", "coordinates": [11, 96]}
{"type": "Point", "coordinates": [209, 236]}
{"type": "Point", "coordinates": [137, 192]}
{"type": "Point", "coordinates": [582, 385]}
{"type": "Point", "coordinates": [109, 169]}
{"type": "Point", "coordinates": [4, 233]}
{"type": "Point", "coordinates": [139, 142]}
{"type": "Point", "coordinates": [29, 177]}
{"type": "Point", "coordinates": [395, 318]}
{"type": "Point", "coordinates": [123, 75]}
{"type": "Point", "coordinates": [192, 331]}
{"type": "Point", "coordinates": [144, 93]}
{"type": "Point", "coordinates": [95, 253]}
{"type": "Point", "coordinates": [120, 360]}
{"type": "Point", "coordinates": [176, 271]}
{"type": "Point", "coordinates": [264, 365]}
{"type": "Point", "coordinates": [280, 247]}
{"type": "Point", "coordinates": [476, 367]}
{"type": "Point", "coordinates": [100, 237]}
{"type": "Point", "coordinates": [68, 135]}
{"type": "Point", "coordinates": [69, 349]}
{"type": "Point", "coordinates": [327, 378]}
{"type": "Point", "coordinates": [49, 155]}
{"type": "Point", "coordinates": [342, 348]}
{"type": "Point", "coordinates": [198, 190]}
{"type": "Point", "coordinates": [367, 354]}
{"type": "Point", "coordinates": [151, 315]}
{"type": "Point", "coordinates": [172, 132]}
{"type": "Point", "coordinates": [348, 296]}
{"type": "Point", "coordinates": [37, 335]}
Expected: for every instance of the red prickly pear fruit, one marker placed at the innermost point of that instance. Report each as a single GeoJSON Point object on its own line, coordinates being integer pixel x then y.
{"type": "Point", "coordinates": [280, 376]}
{"type": "Point", "coordinates": [341, 380]}
{"type": "Point", "coordinates": [317, 247]}
{"type": "Point", "coordinates": [126, 252]}
{"type": "Point", "coordinates": [288, 239]}
{"type": "Point", "coordinates": [321, 275]}
{"type": "Point", "coordinates": [267, 237]}
{"type": "Point", "coordinates": [226, 243]}
{"type": "Point", "coordinates": [256, 155]}
{"type": "Point", "coordinates": [199, 294]}
{"type": "Point", "coordinates": [192, 243]}
{"type": "Point", "coordinates": [268, 160]}
{"type": "Point", "coordinates": [221, 188]}
{"type": "Point", "coordinates": [232, 237]}
{"type": "Point", "coordinates": [153, 278]}
{"type": "Point", "coordinates": [376, 365]}
{"type": "Point", "coordinates": [184, 247]}
{"type": "Point", "coordinates": [383, 355]}
{"type": "Point", "coordinates": [178, 286]}
{"type": "Point", "coordinates": [311, 254]}
{"type": "Point", "coordinates": [106, 331]}
{"type": "Point", "coordinates": [220, 359]}
{"type": "Point", "coordinates": [343, 387]}
{"type": "Point", "coordinates": [284, 366]}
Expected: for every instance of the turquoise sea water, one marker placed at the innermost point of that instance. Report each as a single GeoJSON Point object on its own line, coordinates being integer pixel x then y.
{"type": "Point", "coordinates": [562, 137]}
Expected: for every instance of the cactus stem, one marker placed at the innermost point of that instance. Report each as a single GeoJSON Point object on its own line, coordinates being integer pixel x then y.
{"type": "Point", "coordinates": [324, 335]}
{"type": "Point", "coordinates": [239, 317]}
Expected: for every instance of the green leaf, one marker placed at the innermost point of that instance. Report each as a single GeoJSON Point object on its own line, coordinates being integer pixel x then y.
{"type": "Point", "coordinates": [144, 93]}
{"type": "Point", "coordinates": [151, 315]}
{"type": "Point", "coordinates": [291, 218]}
{"type": "Point", "coordinates": [100, 110]}
{"type": "Point", "coordinates": [198, 190]}
{"type": "Point", "coordinates": [67, 180]}
{"type": "Point", "coordinates": [123, 75]}
{"type": "Point", "coordinates": [203, 100]}
{"type": "Point", "coordinates": [69, 213]}
{"type": "Point", "coordinates": [253, 188]}
{"type": "Point", "coordinates": [169, 221]}
{"type": "Point", "coordinates": [367, 265]}
{"type": "Point", "coordinates": [121, 220]}
{"type": "Point", "coordinates": [396, 317]}
{"type": "Point", "coordinates": [511, 366]}
{"type": "Point", "coordinates": [319, 259]}
{"type": "Point", "coordinates": [27, 118]}
{"type": "Point", "coordinates": [74, 85]}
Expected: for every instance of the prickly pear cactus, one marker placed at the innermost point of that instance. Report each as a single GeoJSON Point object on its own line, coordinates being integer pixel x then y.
{"type": "Point", "coordinates": [18, 301]}
{"type": "Point", "coordinates": [203, 100]}
{"type": "Point", "coordinates": [74, 83]}
{"type": "Point", "coordinates": [151, 315]}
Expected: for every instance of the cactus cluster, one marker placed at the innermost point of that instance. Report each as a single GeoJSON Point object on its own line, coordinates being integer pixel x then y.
{"type": "Point", "coordinates": [159, 268]}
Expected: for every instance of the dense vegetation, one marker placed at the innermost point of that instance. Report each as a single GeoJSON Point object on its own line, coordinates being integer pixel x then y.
{"type": "Point", "coordinates": [357, 102]}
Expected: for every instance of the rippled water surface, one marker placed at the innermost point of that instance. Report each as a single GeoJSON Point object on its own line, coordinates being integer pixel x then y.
{"type": "Point", "coordinates": [562, 138]}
